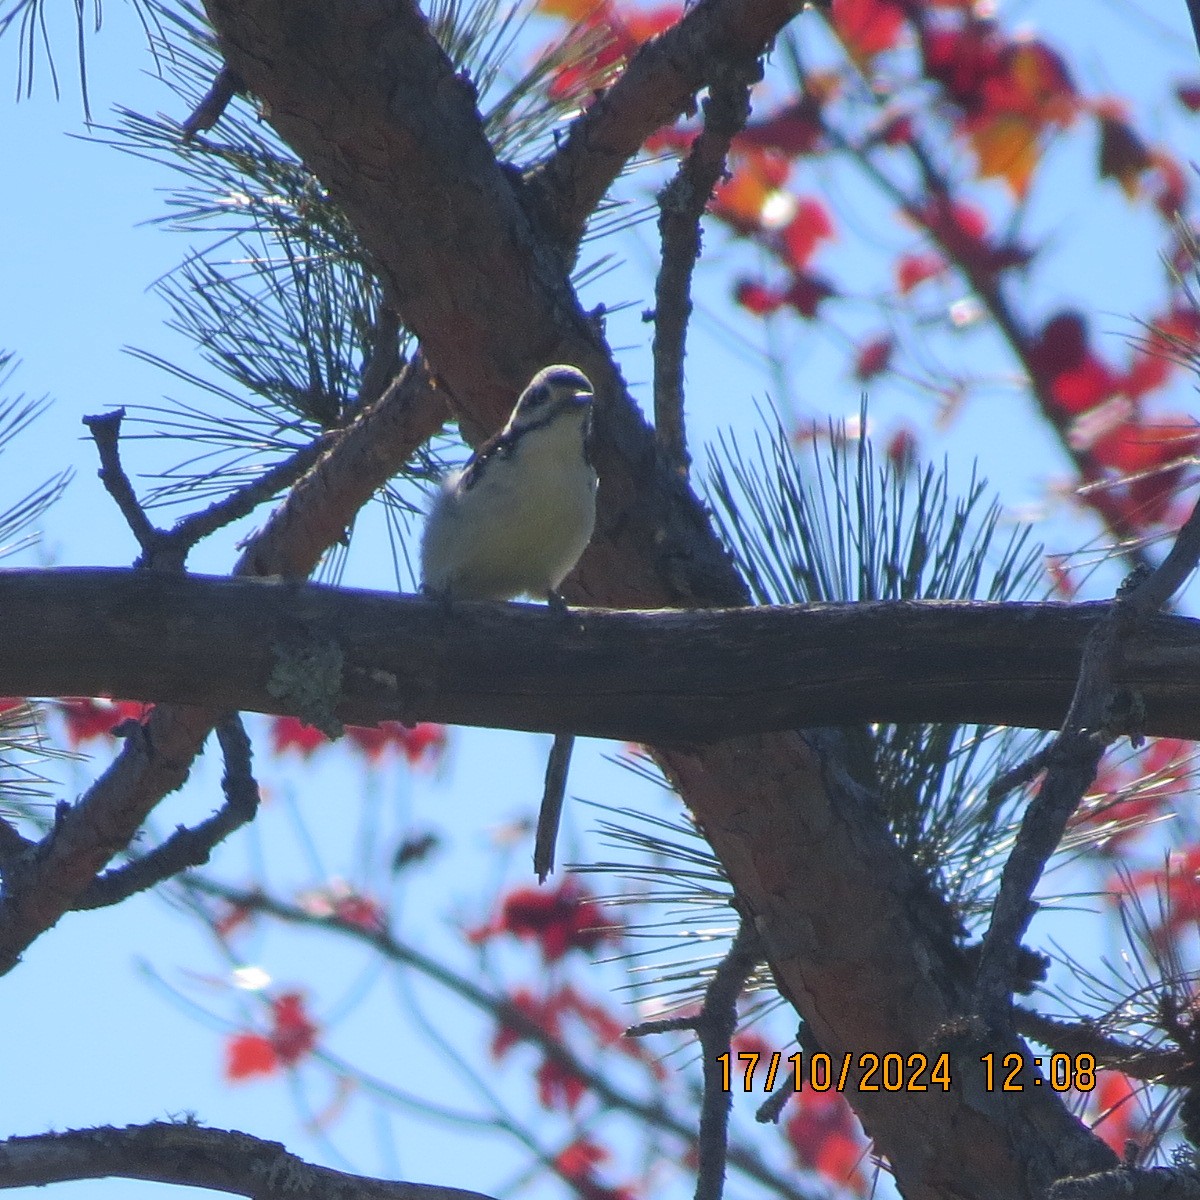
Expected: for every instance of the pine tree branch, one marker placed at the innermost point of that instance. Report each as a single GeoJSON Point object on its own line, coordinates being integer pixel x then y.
{"type": "Point", "coordinates": [186, 847]}
{"type": "Point", "coordinates": [1104, 705]}
{"type": "Point", "coordinates": [1128, 1183]}
{"type": "Point", "coordinates": [188, 1155]}
{"type": "Point", "coordinates": [701, 675]}
{"type": "Point", "coordinates": [659, 85]}
{"type": "Point", "coordinates": [376, 111]}
{"type": "Point", "coordinates": [213, 104]}
{"type": "Point", "coordinates": [1166, 1065]}
{"type": "Point", "coordinates": [681, 205]}
{"type": "Point", "coordinates": [314, 516]}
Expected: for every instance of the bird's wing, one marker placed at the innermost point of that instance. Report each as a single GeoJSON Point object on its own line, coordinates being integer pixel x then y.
{"type": "Point", "coordinates": [499, 445]}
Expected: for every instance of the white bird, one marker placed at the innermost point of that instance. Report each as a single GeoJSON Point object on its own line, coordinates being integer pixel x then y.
{"type": "Point", "coordinates": [515, 521]}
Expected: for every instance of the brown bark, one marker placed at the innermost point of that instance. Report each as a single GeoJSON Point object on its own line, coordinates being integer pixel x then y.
{"type": "Point", "coordinates": [679, 676]}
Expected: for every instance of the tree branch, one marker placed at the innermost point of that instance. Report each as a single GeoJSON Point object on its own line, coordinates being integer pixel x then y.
{"type": "Point", "coordinates": [315, 515]}
{"type": "Point", "coordinates": [681, 206]}
{"type": "Point", "coordinates": [189, 1155]}
{"type": "Point", "coordinates": [659, 84]}
{"type": "Point", "coordinates": [187, 847]}
{"type": "Point", "coordinates": [1104, 705]}
{"type": "Point", "coordinates": [702, 675]}
{"type": "Point", "coordinates": [376, 110]}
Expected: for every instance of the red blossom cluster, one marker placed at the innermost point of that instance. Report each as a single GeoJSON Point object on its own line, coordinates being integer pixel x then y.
{"type": "Point", "coordinates": [556, 1014]}
{"type": "Point", "coordinates": [421, 745]}
{"type": "Point", "coordinates": [946, 70]}
{"type": "Point", "coordinates": [820, 1127]}
{"type": "Point", "coordinates": [577, 1165]}
{"type": "Point", "coordinates": [88, 718]}
{"type": "Point", "coordinates": [292, 1036]}
{"type": "Point", "coordinates": [559, 920]}
{"type": "Point", "coordinates": [1135, 462]}
{"type": "Point", "coordinates": [610, 34]}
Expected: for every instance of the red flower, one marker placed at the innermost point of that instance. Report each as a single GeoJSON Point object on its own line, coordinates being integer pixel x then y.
{"type": "Point", "coordinates": [873, 357]}
{"type": "Point", "coordinates": [96, 717]}
{"type": "Point", "coordinates": [912, 269]}
{"type": "Point", "coordinates": [867, 27]}
{"type": "Point", "coordinates": [758, 298]}
{"type": "Point", "coordinates": [826, 1137]}
{"type": "Point", "coordinates": [293, 1034]}
{"type": "Point", "coordinates": [1118, 1118]}
{"type": "Point", "coordinates": [559, 920]}
{"type": "Point", "coordinates": [247, 1055]}
{"type": "Point", "coordinates": [807, 292]}
{"type": "Point", "coordinates": [558, 1088]}
{"type": "Point", "coordinates": [290, 733]}
{"type": "Point", "coordinates": [793, 131]}
{"type": "Point", "coordinates": [420, 744]}
{"type": "Point", "coordinates": [799, 238]}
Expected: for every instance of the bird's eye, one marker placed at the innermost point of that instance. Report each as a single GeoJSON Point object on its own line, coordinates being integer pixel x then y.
{"type": "Point", "coordinates": [538, 397]}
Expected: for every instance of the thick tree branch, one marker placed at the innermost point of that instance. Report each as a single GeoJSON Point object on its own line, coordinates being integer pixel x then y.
{"type": "Point", "coordinates": [189, 1155]}
{"type": "Point", "coordinates": [700, 676]}
{"type": "Point", "coordinates": [1127, 1183]}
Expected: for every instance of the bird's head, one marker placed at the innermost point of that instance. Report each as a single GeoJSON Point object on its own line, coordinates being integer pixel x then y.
{"type": "Point", "coordinates": [551, 394]}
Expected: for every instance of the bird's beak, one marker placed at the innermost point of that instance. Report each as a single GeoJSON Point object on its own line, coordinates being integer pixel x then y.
{"type": "Point", "coordinates": [582, 398]}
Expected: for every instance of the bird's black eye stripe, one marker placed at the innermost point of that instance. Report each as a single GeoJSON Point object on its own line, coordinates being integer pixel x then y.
{"type": "Point", "coordinates": [538, 396]}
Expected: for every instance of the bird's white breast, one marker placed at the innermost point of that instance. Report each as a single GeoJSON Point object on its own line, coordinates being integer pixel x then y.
{"type": "Point", "coordinates": [523, 524]}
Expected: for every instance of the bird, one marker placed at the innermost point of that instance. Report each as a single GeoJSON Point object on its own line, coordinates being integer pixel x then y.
{"type": "Point", "coordinates": [515, 521]}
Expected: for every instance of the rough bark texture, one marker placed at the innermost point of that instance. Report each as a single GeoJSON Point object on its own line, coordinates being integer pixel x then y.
{"type": "Point", "coordinates": [190, 1155]}
{"type": "Point", "coordinates": [676, 676]}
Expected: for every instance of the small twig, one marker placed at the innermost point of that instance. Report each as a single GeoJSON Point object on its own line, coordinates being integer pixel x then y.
{"type": "Point", "coordinates": [681, 205]}
{"type": "Point", "coordinates": [771, 1109]}
{"type": "Point", "coordinates": [188, 1154]}
{"type": "Point", "coordinates": [666, 1025]}
{"type": "Point", "coordinates": [106, 432]}
{"type": "Point", "coordinates": [1128, 1183]}
{"type": "Point", "coordinates": [1193, 7]}
{"type": "Point", "coordinates": [1095, 718]}
{"type": "Point", "coordinates": [715, 1027]}
{"type": "Point", "coordinates": [1152, 1065]}
{"type": "Point", "coordinates": [187, 847]}
{"type": "Point", "coordinates": [1019, 775]}
{"type": "Point", "coordinates": [190, 530]}
{"type": "Point", "coordinates": [550, 813]}
{"type": "Point", "coordinates": [385, 362]}
{"type": "Point", "coordinates": [216, 100]}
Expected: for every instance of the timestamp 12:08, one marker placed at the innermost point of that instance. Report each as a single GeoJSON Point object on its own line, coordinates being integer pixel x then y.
{"type": "Point", "coordinates": [1065, 1072]}
{"type": "Point", "coordinates": [917, 1072]}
